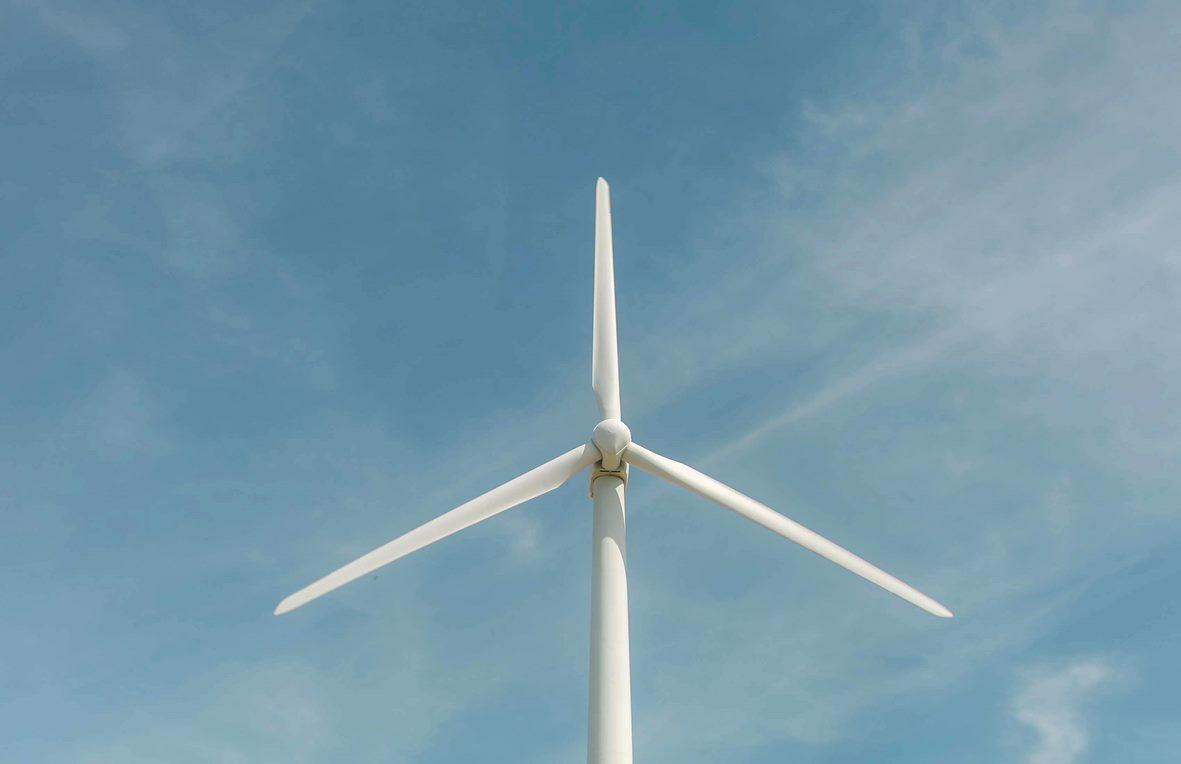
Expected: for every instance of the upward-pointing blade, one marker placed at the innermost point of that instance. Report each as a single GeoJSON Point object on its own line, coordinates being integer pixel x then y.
{"type": "Point", "coordinates": [605, 358]}
{"type": "Point", "coordinates": [700, 483]}
{"type": "Point", "coordinates": [532, 484]}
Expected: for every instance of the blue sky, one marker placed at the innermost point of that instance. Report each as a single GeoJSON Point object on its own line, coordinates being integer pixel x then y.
{"type": "Point", "coordinates": [282, 281]}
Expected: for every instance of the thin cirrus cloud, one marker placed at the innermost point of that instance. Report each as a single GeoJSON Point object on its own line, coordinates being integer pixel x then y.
{"type": "Point", "coordinates": [1053, 702]}
{"type": "Point", "coordinates": [1044, 267]}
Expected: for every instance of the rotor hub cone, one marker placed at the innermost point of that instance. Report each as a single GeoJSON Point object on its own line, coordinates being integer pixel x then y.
{"type": "Point", "coordinates": [611, 437]}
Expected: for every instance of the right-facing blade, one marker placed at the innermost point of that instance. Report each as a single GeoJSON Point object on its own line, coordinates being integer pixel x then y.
{"type": "Point", "coordinates": [605, 358]}
{"type": "Point", "coordinates": [700, 483]}
{"type": "Point", "coordinates": [532, 484]}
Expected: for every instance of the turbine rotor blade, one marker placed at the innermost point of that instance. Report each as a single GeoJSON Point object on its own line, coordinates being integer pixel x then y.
{"type": "Point", "coordinates": [520, 489]}
{"type": "Point", "coordinates": [605, 359]}
{"type": "Point", "coordinates": [700, 483]}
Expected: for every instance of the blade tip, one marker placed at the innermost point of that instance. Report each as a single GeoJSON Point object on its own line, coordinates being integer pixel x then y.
{"type": "Point", "coordinates": [942, 611]}
{"type": "Point", "coordinates": [286, 606]}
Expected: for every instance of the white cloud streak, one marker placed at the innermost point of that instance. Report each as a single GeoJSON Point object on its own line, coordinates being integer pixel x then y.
{"type": "Point", "coordinates": [1028, 236]}
{"type": "Point", "coordinates": [1052, 702]}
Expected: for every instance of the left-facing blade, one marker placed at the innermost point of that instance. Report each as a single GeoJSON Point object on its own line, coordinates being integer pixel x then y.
{"type": "Point", "coordinates": [532, 484]}
{"type": "Point", "coordinates": [605, 358]}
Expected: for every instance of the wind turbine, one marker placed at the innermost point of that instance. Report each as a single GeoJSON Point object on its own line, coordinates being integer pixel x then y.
{"type": "Point", "coordinates": [609, 453]}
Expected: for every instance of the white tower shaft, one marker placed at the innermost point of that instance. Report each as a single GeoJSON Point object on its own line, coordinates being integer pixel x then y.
{"type": "Point", "coordinates": [610, 740]}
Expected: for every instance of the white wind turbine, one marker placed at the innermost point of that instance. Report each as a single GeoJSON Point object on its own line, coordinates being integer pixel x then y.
{"type": "Point", "coordinates": [608, 454]}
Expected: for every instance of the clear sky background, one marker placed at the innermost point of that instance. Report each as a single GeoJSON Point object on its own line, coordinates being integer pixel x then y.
{"type": "Point", "coordinates": [281, 281]}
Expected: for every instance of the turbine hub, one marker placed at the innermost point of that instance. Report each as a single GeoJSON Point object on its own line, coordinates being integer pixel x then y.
{"type": "Point", "coordinates": [611, 437]}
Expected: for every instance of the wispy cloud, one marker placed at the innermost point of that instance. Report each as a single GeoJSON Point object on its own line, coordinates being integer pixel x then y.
{"type": "Point", "coordinates": [93, 32]}
{"type": "Point", "coordinates": [1053, 702]}
{"type": "Point", "coordinates": [972, 222]}
{"type": "Point", "coordinates": [119, 417]}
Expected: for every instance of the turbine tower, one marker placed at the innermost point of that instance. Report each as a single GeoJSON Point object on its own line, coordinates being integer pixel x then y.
{"type": "Point", "coordinates": [609, 453]}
